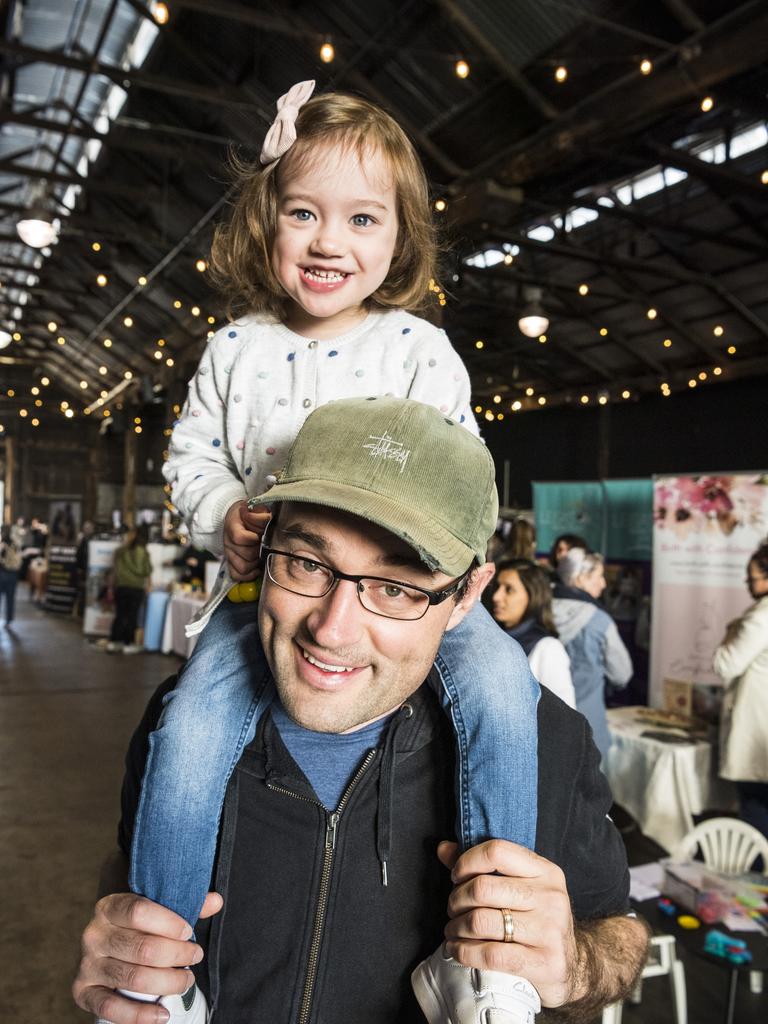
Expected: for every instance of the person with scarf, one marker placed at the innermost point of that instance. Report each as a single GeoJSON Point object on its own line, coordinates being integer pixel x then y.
{"type": "Point", "coordinates": [590, 636]}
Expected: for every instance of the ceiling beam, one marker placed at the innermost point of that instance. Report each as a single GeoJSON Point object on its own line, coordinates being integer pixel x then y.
{"type": "Point", "coordinates": [727, 47]}
{"type": "Point", "coordinates": [648, 221]}
{"type": "Point", "coordinates": [716, 174]}
{"type": "Point", "coordinates": [146, 192]}
{"type": "Point", "coordinates": [123, 138]}
{"type": "Point", "coordinates": [685, 15]}
{"type": "Point", "coordinates": [469, 30]}
{"type": "Point", "coordinates": [224, 96]}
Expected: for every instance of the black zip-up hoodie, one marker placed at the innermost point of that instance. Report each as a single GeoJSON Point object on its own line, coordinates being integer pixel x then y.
{"type": "Point", "coordinates": [309, 934]}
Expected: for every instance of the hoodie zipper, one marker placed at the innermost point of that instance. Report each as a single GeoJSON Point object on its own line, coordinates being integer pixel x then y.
{"type": "Point", "coordinates": [331, 823]}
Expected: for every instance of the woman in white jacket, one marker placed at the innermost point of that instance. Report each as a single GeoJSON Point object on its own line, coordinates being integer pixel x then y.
{"type": "Point", "coordinates": [741, 661]}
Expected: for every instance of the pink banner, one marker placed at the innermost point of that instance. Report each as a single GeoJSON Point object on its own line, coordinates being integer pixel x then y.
{"type": "Point", "coordinates": [705, 529]}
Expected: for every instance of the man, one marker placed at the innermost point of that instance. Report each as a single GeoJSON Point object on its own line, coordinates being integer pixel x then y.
{"type": "Point", "coordinates": [326, 912]}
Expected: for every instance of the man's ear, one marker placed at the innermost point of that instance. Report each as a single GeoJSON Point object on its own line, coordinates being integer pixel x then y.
{"type": "Point", "coordinates": [480, 579]}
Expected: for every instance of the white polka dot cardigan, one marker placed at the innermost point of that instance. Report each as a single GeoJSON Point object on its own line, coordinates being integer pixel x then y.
{"type": "Point", "coordinates": [258, 381]}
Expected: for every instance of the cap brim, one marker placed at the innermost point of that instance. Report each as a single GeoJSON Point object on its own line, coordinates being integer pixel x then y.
{"type": "Point", "coordinates": [437, 547]}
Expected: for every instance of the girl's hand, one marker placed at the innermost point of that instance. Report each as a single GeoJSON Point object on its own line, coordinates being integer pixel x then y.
{"type": "Point", "coordinates": [243, 531]}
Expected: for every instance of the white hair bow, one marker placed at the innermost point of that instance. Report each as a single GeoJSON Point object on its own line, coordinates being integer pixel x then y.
{"type": "Point", "coordinates": [282, 132]}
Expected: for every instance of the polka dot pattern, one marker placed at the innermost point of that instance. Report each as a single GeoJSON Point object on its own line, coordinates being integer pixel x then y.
{"type": "Point", "coordinates": [332, 353]}
{"type": "Point", "coordinates": [248, 470]}
{"type": "Point", "coordinates": [262, 375]}
{"type": "Point", "coordinates": [406, 330]}
{"type": "Point", "coordinates": [291, 356]}
{"type": "Point", "coordinates": [282, 401]}
{"type": "Point", "coordinates": [195, 412]}
{"type": "Point", "coordinates": [237, 398]}
{"type": "Point", "coordinates": [216, 442]}
{"type": "Point", "coordinates": [432, 362]}
{"type": "Point", "coordinates": [270, 450]}
{"type": "Point", "coordinates": [232, 334]}
{"type": "Point", "coordinates": [240, 445]}
{"type": "Point", "coordinates": [359, 373]}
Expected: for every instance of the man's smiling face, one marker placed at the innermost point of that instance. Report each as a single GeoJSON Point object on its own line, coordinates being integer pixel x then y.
{"type": "Point", "coordinates": [336, 665]}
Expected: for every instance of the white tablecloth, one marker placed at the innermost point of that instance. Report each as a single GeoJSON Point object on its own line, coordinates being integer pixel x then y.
{"type": "Point", "coordinates": [181, 608]}
{"type": "Point", "coordinates": [662, 785]}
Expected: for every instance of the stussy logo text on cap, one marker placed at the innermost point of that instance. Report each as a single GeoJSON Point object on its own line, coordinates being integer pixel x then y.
{"type": "Point", "coordinates": [385, 448]}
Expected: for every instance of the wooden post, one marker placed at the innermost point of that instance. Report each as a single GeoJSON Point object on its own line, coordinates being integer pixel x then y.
{"type": "Point", "coordinates": [10, 472]}
{"type": "Point", "coordinates": [129, 478]}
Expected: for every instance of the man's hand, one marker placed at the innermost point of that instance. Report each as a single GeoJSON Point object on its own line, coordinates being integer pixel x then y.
{"type": "Point", "coordinates": [499, 874]}
{"type": "Point", "coordinates": [579, 967]}
{"type": "Point", "coordinates": [135, 944]}
{"type": "Point", "coordinates": [243, 531]}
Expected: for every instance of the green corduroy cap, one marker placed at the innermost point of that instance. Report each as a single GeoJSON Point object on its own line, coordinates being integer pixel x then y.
{"type": "Point", "coordinates": [403, 465]}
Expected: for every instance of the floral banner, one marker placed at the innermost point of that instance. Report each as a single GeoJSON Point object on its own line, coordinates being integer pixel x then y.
{"type": "Point", "coordinates": [705, 529]}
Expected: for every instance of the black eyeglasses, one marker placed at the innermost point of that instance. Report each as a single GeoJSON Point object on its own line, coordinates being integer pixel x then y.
{"type": "Point", "coordinates": [390, 598]}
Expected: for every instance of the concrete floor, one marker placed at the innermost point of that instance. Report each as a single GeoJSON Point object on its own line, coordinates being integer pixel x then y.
{"type": "Point", "coordinates": [66, 714]}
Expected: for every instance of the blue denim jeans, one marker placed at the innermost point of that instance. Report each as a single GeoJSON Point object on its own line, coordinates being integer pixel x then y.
{"type": "Point", "coordinates": [484, 684]}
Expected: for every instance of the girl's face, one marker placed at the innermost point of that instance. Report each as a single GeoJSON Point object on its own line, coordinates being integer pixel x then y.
{"type": "Point", "coordinates": [510, 599]}
{"type": "Point", "coordinates": [337, 227]}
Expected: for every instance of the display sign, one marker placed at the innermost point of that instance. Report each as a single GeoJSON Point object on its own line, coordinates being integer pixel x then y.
{"type": "Point", "coordinates": [705, 529]}
{"type": "Point", "coordinates": [99, 601]}
{"type": "Point", "coordinates": [61, 590]}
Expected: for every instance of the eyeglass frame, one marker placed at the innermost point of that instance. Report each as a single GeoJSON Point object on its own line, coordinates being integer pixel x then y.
{"type": "Point", "coordinates": [434, 597]}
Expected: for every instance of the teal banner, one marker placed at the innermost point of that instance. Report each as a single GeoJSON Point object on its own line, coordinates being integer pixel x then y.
{"type": "Point", "coordinates": [615, 517]}
{"type": "Point", "coordinates": [568, 508]}
{"type": "Point", "coordinates": [628, 520]}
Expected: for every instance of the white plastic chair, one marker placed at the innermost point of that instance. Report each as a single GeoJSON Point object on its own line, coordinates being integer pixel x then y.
{"type": "Point", "coordinates": [730, 846]}
{"type": "Point", "coordinates": [662, 960]}
{"type": "Point", "coordinates": [726, 844]}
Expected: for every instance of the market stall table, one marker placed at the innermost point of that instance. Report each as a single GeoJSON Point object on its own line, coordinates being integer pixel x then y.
{"type": "Point", "coordinates": [661, 784]}
{"type": "Point", "coordinates": [181, 608]}
{"type": "Point", "coordinates": [693, 941]}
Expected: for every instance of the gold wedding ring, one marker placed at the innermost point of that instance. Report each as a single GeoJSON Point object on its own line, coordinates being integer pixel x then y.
{"type": "Point", "coordinates": [509, 925]}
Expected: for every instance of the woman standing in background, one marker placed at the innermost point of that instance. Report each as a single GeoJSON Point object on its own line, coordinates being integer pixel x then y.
{"type": "Point", "coordinates": [522, 605]}
{"type": "Point", "coordinates": [10, 563]}
{"type": "Point", "coordinates": [741, 661]}
{"type": "Point", "coordinates": [132, 570]}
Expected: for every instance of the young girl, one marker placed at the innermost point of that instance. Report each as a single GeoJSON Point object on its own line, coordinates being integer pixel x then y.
{"type": "Point", "coordinates": [328, 244]}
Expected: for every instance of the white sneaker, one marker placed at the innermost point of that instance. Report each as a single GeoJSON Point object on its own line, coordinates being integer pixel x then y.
{"type": "Point", "coordinates": [133, 649]}
{"type": "Point", "coordinates": [190, 1008]}
{"type": "Point", "coordinates": [449, 993]}
{"type": "Point", "coordinates": [114, 646]}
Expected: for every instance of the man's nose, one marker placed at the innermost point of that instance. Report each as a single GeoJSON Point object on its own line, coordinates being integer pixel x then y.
{"type": "Point", "coordinates": [336, 621]}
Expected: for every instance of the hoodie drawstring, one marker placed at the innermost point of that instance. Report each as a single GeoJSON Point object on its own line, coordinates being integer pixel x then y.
{"type": "Point", "coordinates": [386, 791]}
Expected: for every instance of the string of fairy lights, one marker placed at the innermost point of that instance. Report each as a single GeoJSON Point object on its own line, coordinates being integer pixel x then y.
{"type": "Point", "coordinates": [500, 406]}
{"type": "Point", "coordinates": [495, 410]}
{"type": "Point", "coordinates": [162, 354]}
{"type": "Point", "coordinates": [159, 351]}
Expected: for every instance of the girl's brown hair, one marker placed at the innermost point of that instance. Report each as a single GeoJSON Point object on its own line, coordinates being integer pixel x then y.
{"type": "Point", "coordinates": [241, 253]}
